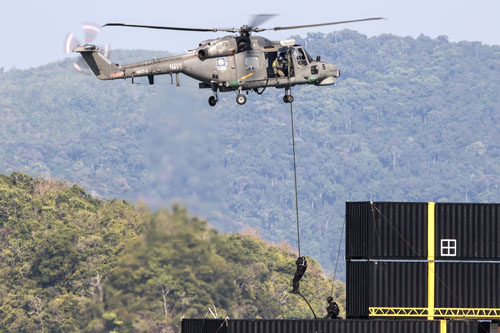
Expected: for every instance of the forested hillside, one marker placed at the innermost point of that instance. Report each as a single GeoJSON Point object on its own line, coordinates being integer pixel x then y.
{"type": "Point", "coordinates": [70, 262]}
{"type": "Point", "coordinates": [409, 119]}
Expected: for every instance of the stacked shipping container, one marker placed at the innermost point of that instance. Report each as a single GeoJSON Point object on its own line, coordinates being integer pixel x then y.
{"type": "Point", "coordinates": [328, 326]}
{"type": "Point", "coordinates": [423, 260]}
{"type": "Point", "coordinates": [408, 260]}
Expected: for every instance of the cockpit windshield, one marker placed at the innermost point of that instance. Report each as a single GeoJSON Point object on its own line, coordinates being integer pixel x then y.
{"type": "Point", "coordinates": [309, 58]}
{"type": "Point", "coordinates": [300, 56]}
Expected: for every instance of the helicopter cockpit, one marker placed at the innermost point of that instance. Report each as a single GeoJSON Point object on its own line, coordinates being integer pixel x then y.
{"type": "Point", "coordinates": [303, 58]}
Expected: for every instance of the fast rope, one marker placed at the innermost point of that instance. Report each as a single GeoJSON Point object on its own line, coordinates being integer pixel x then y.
{"type": "Point", "coordinates": [337, 261]}
{"type": "Point", "coordinates": [310, 307]}
{"type": "Point", "coordinates": [288, 89]}
{"type": "Point", "coordinates": [297, 202]}
{"type": "Point", "coordinates": [295, 180]}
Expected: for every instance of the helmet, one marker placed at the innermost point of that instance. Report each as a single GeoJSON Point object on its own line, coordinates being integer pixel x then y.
{"type": "Point", "coordinates": [329, 299]}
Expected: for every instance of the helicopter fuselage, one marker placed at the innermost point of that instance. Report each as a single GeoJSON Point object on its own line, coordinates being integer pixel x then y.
{"type": "Point", "coordinates": [226, 64]}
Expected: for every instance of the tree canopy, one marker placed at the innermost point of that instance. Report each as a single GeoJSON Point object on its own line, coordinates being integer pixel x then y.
{"type": "Point", "coordinates": [70, 262]}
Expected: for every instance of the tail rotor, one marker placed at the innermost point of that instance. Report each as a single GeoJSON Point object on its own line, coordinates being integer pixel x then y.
{"type": "Point", "coordinates": [90, 30]}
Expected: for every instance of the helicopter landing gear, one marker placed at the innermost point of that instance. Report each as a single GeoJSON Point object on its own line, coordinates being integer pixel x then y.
{"type": "Point", "coordinates": [241, 99]}
{"type": "Point", "coordinates": [212, 100]}
{"type": "Point", "coordinates": [288, 98]}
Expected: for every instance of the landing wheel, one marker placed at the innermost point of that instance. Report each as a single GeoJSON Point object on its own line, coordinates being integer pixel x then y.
{"type": "Point", "coordinates": [212, 100]}
{"type": "Point", "coordinates": [288, 99]}
{"type": "Point", "coordinates": [241, 99]}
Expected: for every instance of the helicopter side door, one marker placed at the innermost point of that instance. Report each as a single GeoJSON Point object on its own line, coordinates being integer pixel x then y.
{"type": "Point", "coordinates": [251, 69]}
{"type": "Point", "coordinates": [277, 64]}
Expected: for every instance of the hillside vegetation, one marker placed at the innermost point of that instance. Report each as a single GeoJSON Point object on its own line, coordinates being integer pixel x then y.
{"type": "Point", "coordinates": [409, 120]}
{"type": "Point", "coordinates": [70, 262]}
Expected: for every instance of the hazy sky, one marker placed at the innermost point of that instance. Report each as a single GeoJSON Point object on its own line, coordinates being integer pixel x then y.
{"type": "Point", "coordinates": [33, 31]}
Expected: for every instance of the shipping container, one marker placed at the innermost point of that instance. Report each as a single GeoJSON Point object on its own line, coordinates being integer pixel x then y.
{"type": "Point", "coordinates": [402, 289]}
{"type": "Point", "coordinates": [467, 285]}
{"type": "Point", "coordinates": [388, 230]}
{"type": "Point", "coordinates": [467, 231]}
{"type": "Point", "coordinates": [397, 230]}
{"type": "Point", "coordinates": [326, 326]}
{"type": "Point", "coordinates": [384, 284]}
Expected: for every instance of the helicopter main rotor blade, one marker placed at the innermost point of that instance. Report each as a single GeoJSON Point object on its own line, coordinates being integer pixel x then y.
{"type": "Point", "coordinates": [260, 18]}
{"type": "Point", "coordinates": [167, 28]}
{"type": "Point", "coordinates": [319, 24]}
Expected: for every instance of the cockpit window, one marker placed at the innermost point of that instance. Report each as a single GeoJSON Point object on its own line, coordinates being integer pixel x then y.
{"type": "Point", "coordinates": [300, 56]}
{"type": "Point", "coordinates": [309, 58]}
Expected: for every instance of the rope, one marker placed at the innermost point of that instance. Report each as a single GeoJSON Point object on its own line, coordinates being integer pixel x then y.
{"type": "Point", "coordinates": [294, 162]}
{"type": "Point", "coordinates": [225, 322]}
{"type": "Point", "coordinates": [338, 254]}
{"type": "Point", "coordinates": [310, 307]}
{"type": "Point", "coordinates": [295, 183]}
{"type": "Point", "coordinates": [264, 89]}
{"type": "Point", "coordinates": [295, 179]}
{"type": "Point", "coordinates": [374, 223]}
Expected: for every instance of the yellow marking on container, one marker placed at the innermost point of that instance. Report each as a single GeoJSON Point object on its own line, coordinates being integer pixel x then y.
{"type": "Point", "coordinates": [430, 257]}
{"type": "Point", "coordinates": [247, 76]}
{"type": "Point", "coordinates": [443, 326]}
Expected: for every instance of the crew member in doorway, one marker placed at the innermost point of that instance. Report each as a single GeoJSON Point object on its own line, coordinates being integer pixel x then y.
{"type": "Point", "coordinates": [299, 273]}
{"type": "Point", "coordinates": [332, 310]}
{"type": "Point", "coordinates": [279, 65]}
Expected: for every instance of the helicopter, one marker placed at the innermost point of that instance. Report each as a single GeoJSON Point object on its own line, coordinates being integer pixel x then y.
{"type": "Point", "coordinates": [240, 63]}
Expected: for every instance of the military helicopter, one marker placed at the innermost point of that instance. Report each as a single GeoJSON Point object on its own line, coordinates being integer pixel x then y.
{"type": "Point", "coordinates": [232, 63]}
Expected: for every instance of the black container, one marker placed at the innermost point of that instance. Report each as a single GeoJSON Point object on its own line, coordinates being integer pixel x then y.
{"type": "Point", "coordinates": [324, 326]}
{"type": "Point", "coordinates": [457, 285]}
{"type": "Point", "coordinates": [475, 228]}
{"type": "Point", "coordinates": [467, 285]}
{"type": "Point", "coordinates": [390, 230]}
{"type": "Point", "coordinates": [396, 230]}
{"type": "Point", "coordinates": [384, 284]}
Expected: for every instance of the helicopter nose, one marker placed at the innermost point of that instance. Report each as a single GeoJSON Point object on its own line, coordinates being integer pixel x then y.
{"type": "Point", "coordinates": [333, 71]}
{"type": "Point", "coordinates": [328, 75]}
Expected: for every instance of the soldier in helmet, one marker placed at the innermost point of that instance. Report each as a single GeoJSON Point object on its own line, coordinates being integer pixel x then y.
{"type": "Point", "coordinates": [332, 310]}
{"type": "Point", "coordinates": [301, 269]}
{"type": "Point", "coordinates": [279, 65]}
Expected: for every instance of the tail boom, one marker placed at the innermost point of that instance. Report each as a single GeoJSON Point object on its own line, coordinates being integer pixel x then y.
{"type": "Point", "coordinates": [105, 70]}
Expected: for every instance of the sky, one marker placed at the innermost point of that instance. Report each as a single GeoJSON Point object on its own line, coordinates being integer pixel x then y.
{"type": "Point", "coordinates": [33, 32]}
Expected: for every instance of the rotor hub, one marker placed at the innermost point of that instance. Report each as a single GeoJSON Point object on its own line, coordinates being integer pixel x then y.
{"type": "Point", "coordinates": [245, 30]}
